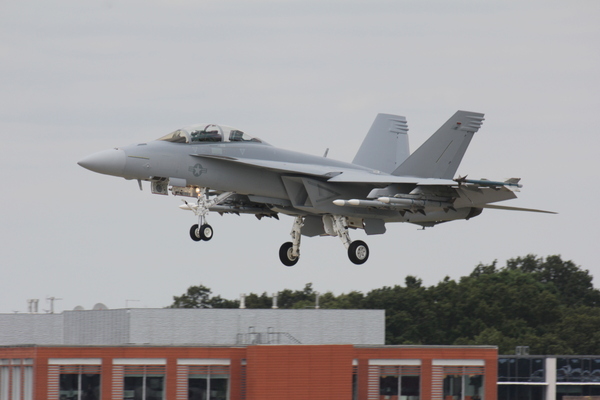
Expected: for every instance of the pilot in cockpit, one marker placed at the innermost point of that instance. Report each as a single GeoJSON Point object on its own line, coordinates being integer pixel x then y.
{"type": "Point", "coordinates": [236, 136]}
{"type": "Point", "coordinates": [206, 136]}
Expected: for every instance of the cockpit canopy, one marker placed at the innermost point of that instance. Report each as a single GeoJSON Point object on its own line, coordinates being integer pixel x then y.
{"type": "Point", "coordinates": [203, 133]}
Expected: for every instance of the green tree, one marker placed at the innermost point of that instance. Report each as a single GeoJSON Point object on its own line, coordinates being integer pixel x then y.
{"type": "Point", "coordinates": [200, 297]}
{"type": "Point", "coordinates": [547, 304]}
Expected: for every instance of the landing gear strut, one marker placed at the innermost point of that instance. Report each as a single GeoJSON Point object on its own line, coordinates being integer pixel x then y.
{"type": "Point", "coordinates": [337, 225]}
{"type": "Point", "coordinates": [202, 230]}
{"type": "Point", "coordinates": [289, 252]}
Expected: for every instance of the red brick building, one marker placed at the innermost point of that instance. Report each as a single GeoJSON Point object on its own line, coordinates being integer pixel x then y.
{"type": "Point", "coordinates": [260, 372]}
{"type": "Point", "coordinates": [170, 354]}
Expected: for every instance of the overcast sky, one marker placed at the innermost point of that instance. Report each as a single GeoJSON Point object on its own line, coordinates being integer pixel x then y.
{"type": "Point", "coordinates": [79, 77]}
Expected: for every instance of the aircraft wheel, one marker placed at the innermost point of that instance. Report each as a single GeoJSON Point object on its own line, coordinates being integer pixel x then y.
{"type": "Point", "coordinates": [206, 232]}
{"type": "Point", "coordinates": [285, 254]}
{"type": "Point", "coordinates": [195, 233]}
{"type": "Point", "coordinates": [358, 252]}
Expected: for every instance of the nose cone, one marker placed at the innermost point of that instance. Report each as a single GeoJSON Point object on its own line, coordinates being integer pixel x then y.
{"type": "Point", "coordinates": [109, 162]}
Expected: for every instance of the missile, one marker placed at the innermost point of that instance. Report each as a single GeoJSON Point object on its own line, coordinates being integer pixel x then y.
{"type": "Point", "coordinates": [412, 203]}
{"type": "Point", "coordinates": [360, 203]}
{"type": "Point", "coordinates": [513, 182]}
{"type": "Point", "coordinates": [394, 203]}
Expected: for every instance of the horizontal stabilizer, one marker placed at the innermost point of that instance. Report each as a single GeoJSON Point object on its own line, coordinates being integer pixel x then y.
{"type": "Point", "coordinates": [492, 206]}
{"type": "Point", "coordinates": [441, 154]}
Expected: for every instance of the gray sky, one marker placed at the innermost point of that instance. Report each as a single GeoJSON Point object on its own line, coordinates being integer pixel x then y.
{"type": "Point", "coordinates": [79, 77]}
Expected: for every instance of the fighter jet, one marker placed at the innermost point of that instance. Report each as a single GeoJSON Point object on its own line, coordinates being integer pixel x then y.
{"type": "Point", "coordinates": [227, 171]}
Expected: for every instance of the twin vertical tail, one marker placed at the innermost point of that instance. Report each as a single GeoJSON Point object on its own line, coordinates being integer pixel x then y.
{"type": "Point", "coordinates": [386, 145]}
{"type": "Point", "coordinates": [440, 156]}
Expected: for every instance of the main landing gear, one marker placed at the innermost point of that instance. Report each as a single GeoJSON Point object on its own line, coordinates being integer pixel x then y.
{"type": "Point", "coordinates": [289, 252]}
{"type": "Point", "coordinates": [202, 230]}
{"type": "Point", "coordinates": [335, 225]}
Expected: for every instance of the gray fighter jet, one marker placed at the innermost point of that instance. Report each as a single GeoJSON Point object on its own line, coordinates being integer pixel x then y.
{"type": "Point", "coordinates": [227, 171]}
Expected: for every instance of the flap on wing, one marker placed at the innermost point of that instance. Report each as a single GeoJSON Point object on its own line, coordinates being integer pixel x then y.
{"type": "Point", "coordinates": [278, 166]}
{"type": "Point", "coordinates": [356, 176]}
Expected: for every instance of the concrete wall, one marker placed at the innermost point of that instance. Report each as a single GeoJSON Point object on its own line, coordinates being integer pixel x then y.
{"type": "Point", "coordinates": [195, 326]}
{"type": "Point", "coordinates": [234, 326]}
{"type": "Point", "coordinates": [96, 327]}
{"type": "Point", "coordinates": [31, 329]}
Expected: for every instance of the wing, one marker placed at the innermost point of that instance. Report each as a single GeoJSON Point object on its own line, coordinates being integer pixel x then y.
{"type": "Point", "coordinates": [377, 179]}
{"type": "Point", "coordinates": [405, 192]}
{"type": "Point", "coordinates": [331, 174]}
{"type": "Point", "coordinates": [323, 171]}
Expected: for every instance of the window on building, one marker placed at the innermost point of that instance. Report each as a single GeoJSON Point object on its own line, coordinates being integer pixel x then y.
{"type": "Point", "coordinates": [578, 369]}
{"type": "Point", "coordinates": [453, 387]}
{"type": "Point", "coordinates": [518, 369]}
{"type": "Point", "coordinates": [399, 382]}
{"type": "Point", "coordinates": [144, 383]}
{"type": "Point", "coordinates": [208, 382]}
{"type": "Point", "coordinates": [16, 379]}
{"type": "Point", "coordinates": [463, 383]}
{"type": "Point", "coordinates": [4, 380]}
{"type": "Point", "coordinates": [354, 382]}
{"type": "Point", "coordinates": [521, 392]}
{"type": "Point", "coordinates": [79, 382]}
{"type": "Point", "coordinates": [577, 390]}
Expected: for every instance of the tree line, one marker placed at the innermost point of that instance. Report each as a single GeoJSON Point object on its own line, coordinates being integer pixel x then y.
{"type": "Point", "coordinates": [547, 304]}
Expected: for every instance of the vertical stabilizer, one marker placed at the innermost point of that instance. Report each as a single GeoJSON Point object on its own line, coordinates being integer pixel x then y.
{"type": "Point", "coordinates": [441, 154]}
{"type": "Point", "coordinates": [386, 145]}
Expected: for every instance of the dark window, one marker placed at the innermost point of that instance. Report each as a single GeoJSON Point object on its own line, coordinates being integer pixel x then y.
{"type": "Point", "coordinates": [520, 369]}
{"type": "Point", "coordinates": [520, 392]}
{"type": "Point", "coordinates": [576, 390]}
{"type": "Point", "coordinates": [503, 369]}
{"type": "Point", "coordinates": [354, 383]}
{"type": "Point", "coordinates": [578, 369]}
{"type": "Point", "coordinates": [453, 386]}
{"type": "Point", "coordinates": [388, 385]}
{"type": "Point", "coordinates": [410, 386]}
{"type": "Point", "coordinates": [400, 382]}
{"type": "Point", "coordinates": [462, 382]}
{"type": "Point", "coordinates": [208, 382]}
{"type": "Point", "coordinates": [79, 383]}
{"type": "Point", "coordinates": [145, 387]}
{"type": "Point", "coordinates": [144, 383]}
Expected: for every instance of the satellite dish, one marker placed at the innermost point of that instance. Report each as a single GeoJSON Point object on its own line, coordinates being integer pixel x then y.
{"type": "Point", "coordinates": [79, 308]}
{"type": "Point", "coordinates": [99, 306]}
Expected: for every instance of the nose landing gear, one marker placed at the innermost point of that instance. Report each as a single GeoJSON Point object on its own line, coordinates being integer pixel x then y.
{"type": "Point", "coordinates": [202, 230]}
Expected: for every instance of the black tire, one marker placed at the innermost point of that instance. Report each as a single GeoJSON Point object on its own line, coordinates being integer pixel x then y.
{"type": "Point", "coordinates": [206, 232]}
{"type": "Point", "coordinates": [358, 252]}
{"type": "Point", "coordinates": [285, 254]}
{"type": "Point", "coordinates": [195, 233]}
